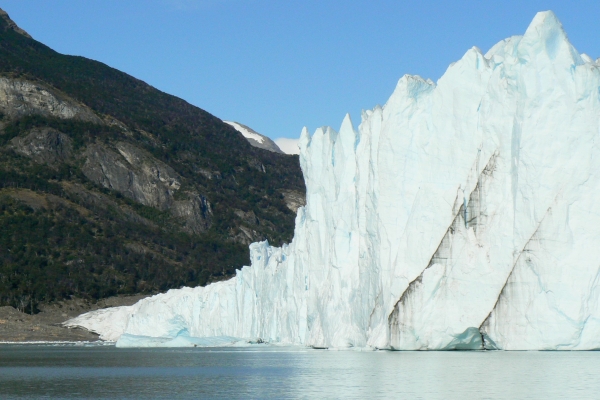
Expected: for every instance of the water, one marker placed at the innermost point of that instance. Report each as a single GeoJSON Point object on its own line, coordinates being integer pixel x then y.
{"type": "Point", "coordinates": [271, 372]}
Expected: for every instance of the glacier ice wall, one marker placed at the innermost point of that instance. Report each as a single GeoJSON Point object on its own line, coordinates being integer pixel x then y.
{"type": "Point", "coordinates": [460, 215]}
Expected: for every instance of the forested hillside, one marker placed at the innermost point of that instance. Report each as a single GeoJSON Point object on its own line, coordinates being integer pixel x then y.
{"type": "Point", "coordinates": [110, 186]}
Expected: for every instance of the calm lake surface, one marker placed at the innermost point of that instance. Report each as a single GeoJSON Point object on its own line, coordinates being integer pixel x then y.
{"type": "Point", "coordinates": [36, 371]}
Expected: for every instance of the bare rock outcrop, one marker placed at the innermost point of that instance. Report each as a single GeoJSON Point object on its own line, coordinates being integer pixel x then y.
{"type": "Point", "coordinates": [136, 174]}
{"type": "Point", "coordinates": [132, 172]}
{"type": "Point", "coordinates": [245, 235]}
{"type": "Point", "coordinates": [20, 97]}
{"type": "Point", "coordinates": [293, 199]}
{"type": "Point", "coordinates": [44, 146]}
{"type": "Point", "coordinates": [195, 212]}
{"type": "Point", "coordinates": [10, 24]}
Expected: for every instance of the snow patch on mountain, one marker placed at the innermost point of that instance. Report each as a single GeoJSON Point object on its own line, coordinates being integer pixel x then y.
{"type": "Point", "coordinates": [255, 138]}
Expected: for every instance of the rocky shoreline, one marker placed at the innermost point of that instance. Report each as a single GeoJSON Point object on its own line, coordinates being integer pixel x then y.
{"type": "Point", "coordinates": [46, 326]}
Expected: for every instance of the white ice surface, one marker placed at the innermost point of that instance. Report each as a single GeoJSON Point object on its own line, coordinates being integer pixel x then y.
{"type": "Point", "coordinates": [461, 214]}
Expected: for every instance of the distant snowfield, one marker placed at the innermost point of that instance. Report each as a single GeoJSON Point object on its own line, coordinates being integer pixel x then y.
{"type": "Point", "coordinates": [463, 214]}
{"type": "Point", "coordinates": [244, 130]}
{"type": "Point", "coordinates": [288, 146]}
{"type": "Point", "coordinates": [255, 138]}
{"type": "Point", "coordinates": [281, 145]}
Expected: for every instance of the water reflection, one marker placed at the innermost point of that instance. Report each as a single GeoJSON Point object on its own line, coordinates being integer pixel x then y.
{"type": "Point", "coordinates": [270, 372]}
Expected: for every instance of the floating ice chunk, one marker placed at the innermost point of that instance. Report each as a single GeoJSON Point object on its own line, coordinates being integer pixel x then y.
{"type": "Point", "coordinates": [183, 340]}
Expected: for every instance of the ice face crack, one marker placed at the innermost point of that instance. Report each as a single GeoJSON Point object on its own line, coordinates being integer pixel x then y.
{"type": "Point", "coordinates": [484, 338]}
{"type": "Point", "coordinates": [443, 254]}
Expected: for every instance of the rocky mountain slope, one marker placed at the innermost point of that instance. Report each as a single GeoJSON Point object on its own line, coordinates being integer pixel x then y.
{"type": "Point", "coordinates": [109, 186]}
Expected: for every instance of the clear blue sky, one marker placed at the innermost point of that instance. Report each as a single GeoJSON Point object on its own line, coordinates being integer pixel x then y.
{"type": "Point", "coordinates": [279, 65]}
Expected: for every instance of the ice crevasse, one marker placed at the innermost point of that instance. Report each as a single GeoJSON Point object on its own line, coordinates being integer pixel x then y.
{"type": "Point", "coordinates": [460, 215]}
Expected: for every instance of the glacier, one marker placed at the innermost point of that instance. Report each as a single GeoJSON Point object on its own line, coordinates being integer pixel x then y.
{"type": "Point", "coordinates": [463, 214]}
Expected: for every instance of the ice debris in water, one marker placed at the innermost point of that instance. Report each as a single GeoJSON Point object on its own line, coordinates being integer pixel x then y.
{"type": "Point", "coordinates": [461, 215]}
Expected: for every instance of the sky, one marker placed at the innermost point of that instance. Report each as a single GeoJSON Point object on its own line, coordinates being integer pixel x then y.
{"type": "Point", "coordinates": [279, 65]}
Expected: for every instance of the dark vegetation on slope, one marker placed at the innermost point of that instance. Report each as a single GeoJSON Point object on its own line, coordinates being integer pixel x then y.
{"type": "Point", "coordinates": [65, 234]}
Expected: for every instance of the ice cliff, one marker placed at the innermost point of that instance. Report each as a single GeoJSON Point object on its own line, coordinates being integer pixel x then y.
{"type": "Point", "coordinates": [460, 215]}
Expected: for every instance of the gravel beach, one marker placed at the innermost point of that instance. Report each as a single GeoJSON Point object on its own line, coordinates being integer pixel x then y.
{"type": "Point", "coordinates": [16, 326]}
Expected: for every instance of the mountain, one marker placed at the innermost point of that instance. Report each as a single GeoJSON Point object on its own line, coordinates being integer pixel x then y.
{"type": "Point", "coordinates": [109, 186]}
{"type": "Point", "coordinates": [461, 215]}
{"type": "Point", "coordinates": [281, 145]}
{"type": "Point", "coordinates": [255, 138]}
